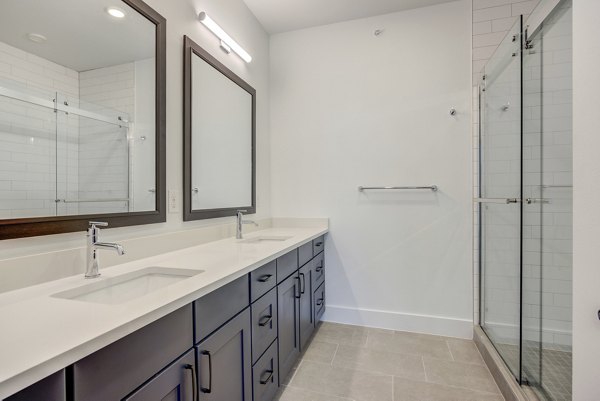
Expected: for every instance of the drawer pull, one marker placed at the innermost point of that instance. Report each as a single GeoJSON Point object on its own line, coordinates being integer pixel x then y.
{"type": "Point", "coordinates": [299, 293]}
{"type": "Point", "coordinates": [194, 384]}
{"type": "Point", "coordinates": [303, 286]}
{"type": "Point", "coordinates": [264, 278]}
{"type": "Point", "coordinates": [319, 243]}
{"type": "Point", "coordinates": [319, 269]}
{"type": "Point", "coordinates": [268, 378]}
{"type": "Point", "coordinates": [265, 320]}
{"type": "Point", "coordinates": [208, 389]}
{"type": "Point", "coordinates": [319, 302]}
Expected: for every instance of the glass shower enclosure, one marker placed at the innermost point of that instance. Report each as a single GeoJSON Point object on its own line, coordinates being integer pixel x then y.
{"type": "Point", "coordinates": [525, 200]}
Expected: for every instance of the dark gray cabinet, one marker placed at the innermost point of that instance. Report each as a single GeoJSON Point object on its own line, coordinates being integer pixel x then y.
{"type": "Point", "coordinates": [287, 265]}
{"type": "Point", "coordinates": [288, 295]}
{"type": "Point", "coordinates": [306, 323]}
{"type": "Point", "coordinates": [119, 368]}
{"type": "Point", "coordinates": [52, 388]}
{"type": "Point", "coordinates": [224, 362]}
{"type": "Point", "coordinates": [318, 245]}
{"type": "Point", "coordinates": [319, 302]}
{"type": "Point", "coordinates": [264, 323]}
{"type": "Point", "coordinates": [265, 375]}
{"type": "Point", "coordinates": [262, 280]}
{"type": "Point", "coordinates": [175, 383]}
{"type": "Point", "coordinates": [217, 307]}
{"type": "Point", "coordinates": [305, 253]}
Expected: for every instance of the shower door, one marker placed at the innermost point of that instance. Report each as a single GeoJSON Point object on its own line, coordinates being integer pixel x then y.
{"type": "Point", "coordinates": [500, 199]}
{"type": "Point", "coordinates": [525, 200]}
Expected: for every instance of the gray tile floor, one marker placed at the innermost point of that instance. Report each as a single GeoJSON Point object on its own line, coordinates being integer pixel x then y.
{"type": "Point", "coordinates": [353, 363]}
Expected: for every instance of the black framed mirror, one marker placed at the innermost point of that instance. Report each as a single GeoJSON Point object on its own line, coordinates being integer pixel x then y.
{"type": "Point", "coordinates": [82, 115]}
{"type": "Point", "coordinates": [219, 138]}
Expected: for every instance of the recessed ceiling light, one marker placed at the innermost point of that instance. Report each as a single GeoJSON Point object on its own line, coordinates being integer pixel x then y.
{"type": "Point", "coordinates": [36, 37]}
{"type": "Point", "coordinates": [115, 12]}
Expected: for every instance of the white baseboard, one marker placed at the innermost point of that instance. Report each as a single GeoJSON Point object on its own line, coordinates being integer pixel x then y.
{"type": "Point", "coordinates": [437, 325]}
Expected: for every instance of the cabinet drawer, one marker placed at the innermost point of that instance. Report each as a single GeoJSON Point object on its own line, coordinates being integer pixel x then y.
{"type": "Point", "coordinates": [286, 265]}
{"type": "Point", "coordinates": [52, 388]}
{"type": "Point", "coordinates": [318, 244]}
{"type": "Point", "coordinates": [119, 368]}
{"type": "Point", "coordinates": [175, 383]}
{"type": "Point", "coordinates": [305, 254]}
{"type": "Point", "coordinates": [319, 300]}
{"type": "Point", "coordinates": [264, 323]}
{"type": "Point", "coordinates": [265, 375]}
{"type": "Point", "coordinates": [318, 274]}
{"type": "Point", "coordinates": [262, 280]}
{"type": "Point", "coordinates": [216, 308]}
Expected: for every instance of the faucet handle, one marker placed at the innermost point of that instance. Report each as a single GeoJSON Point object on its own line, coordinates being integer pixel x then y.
{"type": "Point", "coordinates": [95, 224]}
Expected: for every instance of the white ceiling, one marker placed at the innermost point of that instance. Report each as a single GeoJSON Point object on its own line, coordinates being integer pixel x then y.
{"type": "Point", "coordinates": [81, 35]}
{"type": "Point", "coordinates": [288, 15]}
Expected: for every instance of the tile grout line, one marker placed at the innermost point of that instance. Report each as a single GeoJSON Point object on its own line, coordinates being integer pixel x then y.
{"type": "Point", "coordinates": [337, 346]}
{"type": "Point", "coordinates": [450, 350]}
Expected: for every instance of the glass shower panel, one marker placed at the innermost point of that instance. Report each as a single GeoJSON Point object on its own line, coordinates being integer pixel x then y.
{"type": "Point", "coordinates": [550, 99]}
{"type": "Point", "coordinates": [27, 151]}
{"type": "Point", "coordinates": [532, 210]}
{"type": "Point", "coordinates": [499, 203]}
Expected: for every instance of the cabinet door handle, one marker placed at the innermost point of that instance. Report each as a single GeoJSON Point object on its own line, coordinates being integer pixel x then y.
{"type": "Point", "coordinates": [268, 378]}
{"type": "Point", "coordinates": [298, 294]}
{"type": "Point", "coordinates": [264, 278]}
{"type": "Point", "coordinates": [319, 302]}
{"type": "Point", "coordinates": [194, 382]}
{"type": "Point", "coordinates": [265, 320]}
{"type": "Point", "coordinates": [209, 388]}
{"type": "Point", "coordinates": [303, 286]}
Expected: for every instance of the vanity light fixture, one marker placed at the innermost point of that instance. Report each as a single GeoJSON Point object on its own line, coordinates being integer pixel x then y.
{"type": "Point", "coordinates": [115, 12]}
{"type": "Point", "coordinates": [227, 43]}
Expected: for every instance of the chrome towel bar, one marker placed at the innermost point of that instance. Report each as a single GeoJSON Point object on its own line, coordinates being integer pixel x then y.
{"type": "Point", "coordinates": [430, 187]}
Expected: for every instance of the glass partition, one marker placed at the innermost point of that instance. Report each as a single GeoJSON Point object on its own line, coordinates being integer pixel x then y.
{"type": "Point", "coordinates": [500, 188]}
{"type": "Point", "coordinates": [526, 201]}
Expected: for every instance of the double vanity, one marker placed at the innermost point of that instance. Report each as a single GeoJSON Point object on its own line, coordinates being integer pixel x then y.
{"type": "Point", "coordinates": [225, 320]}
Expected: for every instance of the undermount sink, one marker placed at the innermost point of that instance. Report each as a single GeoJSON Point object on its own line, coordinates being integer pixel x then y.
{"type": "Point", "coordinates": [123, 288]}
{"type": "Point", "coordinates": [265, 238]}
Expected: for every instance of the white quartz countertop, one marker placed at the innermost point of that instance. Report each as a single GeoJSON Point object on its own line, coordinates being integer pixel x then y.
{"type": "Point", "coordinates": [41, 334]}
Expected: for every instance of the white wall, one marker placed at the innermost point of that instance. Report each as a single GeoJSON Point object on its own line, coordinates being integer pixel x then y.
{"type": "Point", "coordinates": [181, 15]}
{"type": "Point", "coordinates": [586, 192]}
{"type": "Point", "coordinates": [349, 108]}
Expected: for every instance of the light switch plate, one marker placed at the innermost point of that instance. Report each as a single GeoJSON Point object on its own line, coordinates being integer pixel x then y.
{"type": "Point", "coordinates": [172, 201]}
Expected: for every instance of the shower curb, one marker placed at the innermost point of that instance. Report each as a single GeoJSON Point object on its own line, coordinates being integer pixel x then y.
{"type": "Point", "coordinates": [506, 382]}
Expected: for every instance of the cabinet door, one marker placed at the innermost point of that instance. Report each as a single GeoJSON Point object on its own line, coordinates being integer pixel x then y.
{"type": "Point", "coordinates": [288, 296]}
{"type": "Point", "coordinates": [225, 362]}
{"type": "Point", "coordinates": [52, 388]}
{"type": "Point", "coordinates": [175, 383]}
{"type": "Point", "coordinates": [306, 314]}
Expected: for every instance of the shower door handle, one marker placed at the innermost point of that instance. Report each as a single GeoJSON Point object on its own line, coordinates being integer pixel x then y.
{"type": "Point", "coordinates": [529, 201]}
{"type": "Point", "coordinates": [497, 200]}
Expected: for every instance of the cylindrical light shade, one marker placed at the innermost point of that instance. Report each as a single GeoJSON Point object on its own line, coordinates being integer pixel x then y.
{"type": "Point", "coordinates": [221, 34]}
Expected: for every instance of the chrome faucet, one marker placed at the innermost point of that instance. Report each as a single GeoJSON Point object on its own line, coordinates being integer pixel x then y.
{"type": "Point", "coordinates": [93, 246]}
{"type": "Point", "coordinates": [241, 222]}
